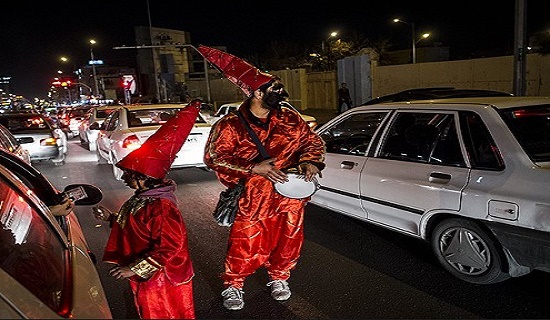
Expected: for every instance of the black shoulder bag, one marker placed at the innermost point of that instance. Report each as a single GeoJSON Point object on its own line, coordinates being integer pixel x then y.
{"type": "Point", "coordinates": [226, 208]}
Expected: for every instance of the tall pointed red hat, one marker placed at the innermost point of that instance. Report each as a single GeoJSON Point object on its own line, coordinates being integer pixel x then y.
{"type": "Point", "coordinates": [236, 70]}
{"type": "Point", "coordinates": [156, 154]}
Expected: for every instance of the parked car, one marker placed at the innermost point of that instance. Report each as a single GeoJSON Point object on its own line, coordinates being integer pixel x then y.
{"type": "Point", "coordinates": [48, 141]}
{"type": "Point", "coordinates": [11, 144]}
{"type": "Point", "coordinates": [470, 176]}
{"type": "Point", "coordinates": [46, 268]}
{"type": "Point", "coordinates": [129, 126]}
{"type": "Point", "coordinates": [97, 114]}
{"type": "Point", "coordinates": [436, 93]}
{"type": "Point", "coordinates": [233, 106]}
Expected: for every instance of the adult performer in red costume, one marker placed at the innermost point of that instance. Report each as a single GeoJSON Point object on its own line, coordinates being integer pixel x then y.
{"type": "Point", "coordinates": [268, 229]}
{"type": "Point", "coordinates": [148, 241]}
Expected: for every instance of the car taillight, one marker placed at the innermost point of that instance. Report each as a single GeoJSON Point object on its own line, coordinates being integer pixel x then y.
{"type": "Point", "coordinates": [131, 142]}
{"type": "Point", "coordinates": [48, 142]}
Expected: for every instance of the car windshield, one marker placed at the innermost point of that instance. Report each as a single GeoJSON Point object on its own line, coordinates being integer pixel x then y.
{"type": "Point", "coordinates": [25, 124]}
{"type": "Point", "coordinates": [531, 127]}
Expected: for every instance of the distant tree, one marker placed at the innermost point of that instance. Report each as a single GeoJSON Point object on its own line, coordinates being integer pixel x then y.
{"type": "Point", "coordinates": [281, 55]}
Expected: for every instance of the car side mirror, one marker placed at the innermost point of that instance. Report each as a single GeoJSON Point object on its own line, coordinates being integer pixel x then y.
{"type": "Point", "coordinates": [83, 194]}
{"type": "Point", "coordinates": [95, 126]}
{"type": "Point", "coordinates": [25, 140]}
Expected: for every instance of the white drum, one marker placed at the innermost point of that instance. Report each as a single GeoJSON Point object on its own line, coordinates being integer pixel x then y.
{"type": "Point", "coordinates": [297, 187]}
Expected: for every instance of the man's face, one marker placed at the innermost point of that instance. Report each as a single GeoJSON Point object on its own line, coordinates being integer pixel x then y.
{"type": "Point", "coordinates": [274, 95]}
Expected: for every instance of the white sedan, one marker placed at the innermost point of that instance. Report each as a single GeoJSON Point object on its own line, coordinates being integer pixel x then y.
{"type": "Point", "coordinates": [129, 126]}
{"type": "Point", "coordinates": [233, 106]}
{"type": "Point", "coordinates": [470, 176]}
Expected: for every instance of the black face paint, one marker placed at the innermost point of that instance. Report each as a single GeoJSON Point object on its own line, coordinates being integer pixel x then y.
{"type": "Point", "coordinates": [273, 100]}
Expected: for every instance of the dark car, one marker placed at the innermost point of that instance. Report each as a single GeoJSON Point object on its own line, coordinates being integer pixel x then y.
{"type": "Point", "coordinates": [435, 93]}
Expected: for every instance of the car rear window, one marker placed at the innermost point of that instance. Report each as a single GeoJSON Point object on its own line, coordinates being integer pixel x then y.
{"type": "Point", "coordinates": [531, 127]}
{"type": "Point", "coordinates": [100, 114]}
{"type": "Point", "coordinates": [148, 117]}
{"type": "Point", "coordinates": [25, 124]}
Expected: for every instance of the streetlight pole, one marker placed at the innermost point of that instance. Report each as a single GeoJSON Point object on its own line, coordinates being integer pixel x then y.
{"type": "Point", "coordinates": [92, 62]}
{"type": "Point", "coordinates": [413, 35]}
{"type": "Point", "coordinates": [75, 71]}
{"type": "Point", "coordinates": [332, 34]}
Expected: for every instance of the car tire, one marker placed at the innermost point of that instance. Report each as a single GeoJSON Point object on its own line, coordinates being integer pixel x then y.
{"type": "Point", "coordinates": [467, 252]}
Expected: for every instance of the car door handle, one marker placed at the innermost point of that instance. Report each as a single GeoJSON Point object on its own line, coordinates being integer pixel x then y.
{"type": "Point", "coordinates": [347, 164]}
{"type": "Point", "coordinates": [440, 177]}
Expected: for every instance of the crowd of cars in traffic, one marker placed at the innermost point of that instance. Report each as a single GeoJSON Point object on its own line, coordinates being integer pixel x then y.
{"type": "Point", "coordinates": [467, 175]}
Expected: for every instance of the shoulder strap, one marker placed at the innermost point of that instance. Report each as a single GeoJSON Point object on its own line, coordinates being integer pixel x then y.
{"type": "Point", "coordinates": [259, 145]}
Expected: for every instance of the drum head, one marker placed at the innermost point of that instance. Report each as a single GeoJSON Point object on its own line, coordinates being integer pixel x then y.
{"type": "Point", "coordinates": [297, 187]}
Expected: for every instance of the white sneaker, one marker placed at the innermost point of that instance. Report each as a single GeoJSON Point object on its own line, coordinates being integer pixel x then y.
{"type": "Point", "coordinates": [279, 290]}
{"type": "Point", "coordinates": [233, 298]}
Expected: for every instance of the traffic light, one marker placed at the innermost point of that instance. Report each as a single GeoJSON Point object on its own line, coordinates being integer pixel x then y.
{"type": "Point", "coordinates": [62, 82]}
{"type": "Point", "coordinates": [125, 84]}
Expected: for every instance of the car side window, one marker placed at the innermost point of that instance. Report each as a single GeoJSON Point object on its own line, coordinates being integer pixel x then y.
{"type": "Point", "coordinates": [353, 134]}
{"type": "Point", "coordinates": [423, 137]}
{"type": "Point", "coordinates": [30, 250]}
{"type": "Point", "coordinates": [482, 150]}
{"type": "Point", "coordinates": [112, 121]}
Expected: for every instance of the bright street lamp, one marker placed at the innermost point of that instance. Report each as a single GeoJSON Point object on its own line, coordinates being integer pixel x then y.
{"type": "Point", "coordinates": [332, 35]}
{"type": "Point", "coordinates": [413, 37]}
{"type": "Point", "coordinates": [92, 62]}
{"type": "Point", "coordinates": [423, 36]}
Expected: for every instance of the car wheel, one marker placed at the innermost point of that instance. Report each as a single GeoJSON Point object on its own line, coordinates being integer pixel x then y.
{"type": "Point", "coordinates": [468, 252]}
{"type": "Point", "coordinates": [100, 159]}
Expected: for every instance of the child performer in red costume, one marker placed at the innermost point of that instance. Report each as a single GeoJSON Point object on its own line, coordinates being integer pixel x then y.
{"type": "Point", "coordinates": [148, 240]}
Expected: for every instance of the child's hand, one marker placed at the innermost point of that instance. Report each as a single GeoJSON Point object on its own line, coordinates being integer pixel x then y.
{"type": "Point", "coordinates": [102, 213]}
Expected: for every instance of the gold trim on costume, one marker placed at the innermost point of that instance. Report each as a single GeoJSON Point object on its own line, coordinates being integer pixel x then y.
{"type": "Point", "coordinates": [131, 207]}
{"type": "Point", "coordinates": [144, 268]}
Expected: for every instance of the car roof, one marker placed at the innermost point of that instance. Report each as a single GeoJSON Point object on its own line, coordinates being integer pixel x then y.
{"type": "Point", "coordinates": [436, 93]}
{"type": "Point", "coordinates": [154, 106]}
{"type": "Point", "coordinates": [496, 102]}
{"type": "Point", "coordinates": [22, 115]}
{"type": "Point", "coordinates": [107, 106]}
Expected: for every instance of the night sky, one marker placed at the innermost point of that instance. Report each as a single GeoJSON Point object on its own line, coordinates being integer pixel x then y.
{"type": "Point", "coordinates": [35, 34]}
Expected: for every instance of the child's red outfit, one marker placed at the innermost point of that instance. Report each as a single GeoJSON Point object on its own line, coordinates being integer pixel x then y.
{"type": "Point", "coordinates": [148, 234]}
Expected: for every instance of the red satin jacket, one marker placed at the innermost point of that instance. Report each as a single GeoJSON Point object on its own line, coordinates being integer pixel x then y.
{"type": "Point", "coordinates": [231, 152]}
